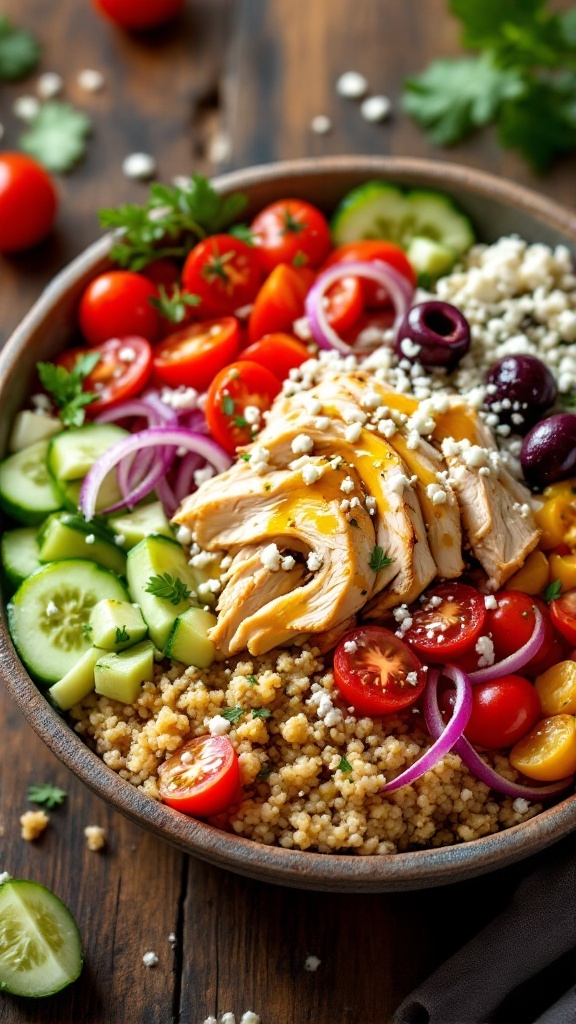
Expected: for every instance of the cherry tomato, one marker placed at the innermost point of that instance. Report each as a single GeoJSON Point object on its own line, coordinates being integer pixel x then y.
{"type": "Point", "coordinates": [563, 614]}
{"type": "Point", "coordinates": [279, 353]}
{"type": "Point", "coordinates": [28, 202]}
{"type": "Point", "coordinates": [376, 672]}
{"type": "Point", "coordinates": [139, 15]}
{"type": "Point", "coordinates": [548, 751]}
{"type": "Point", "coordinates": [375, 295]}
{"type": "Point", "coordinates": [235, 388]}
{"type": "Point", "coordinates": [202, 778]}
{"type": "Point", "coordinates": [511, 625]}
{"type": "Point", "coordinates": [121, 372]}
{"type": "Point", "coordinates": [280, 301]}
{"type": "Point", "coordinates": [162, 271]}
{"type": "Point", "coordinates": [291, 230]}
{"type": "Point", "coordinates": [344, 304]}
{"type": "Point", "coordinates": [503, 711]}
{"type": "Point", "coordinates": [117, 304]}
{"type": "Point", "coordinates": [372, 322]}
{"type": "Point", "coordinates": [195, 354]}
{"type": "Point", "coordinates": [224, 271]}
{"type": "Point", "coordinates": [453, 611]}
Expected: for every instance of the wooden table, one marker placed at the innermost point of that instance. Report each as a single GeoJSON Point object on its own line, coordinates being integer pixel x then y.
{"type": "Point", "coordinates": [231, 84]}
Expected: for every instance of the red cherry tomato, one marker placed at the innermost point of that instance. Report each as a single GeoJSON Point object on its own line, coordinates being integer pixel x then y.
{"type": "Point", "coordinates": [280, 301]}
{"type": "Point", "coordinates": [512, 623]}
{"type": "Point", "coordinates": [162, 271]}
{"type": "Point", "coordinates": [279, 353]}
{"type": "Point", "coordinates": [376, 672]}
{"type": "Point", "coordinates": [195, 354]}
{"type": "Point", "coordinates": [453, 611]}
{"type": "Point", "coordinates": [240, 385]}
{"type": "Point", "coordinates": [28, 202]}
{"type": "Point", "coordinates": [116, 304]}
{"type": "Point", "coordinates": [202, 778]}
{"type": "Point", "coordinates": [121, 372]}
{"type": "Point", "coordinates": [139, 15]}
{"type": "Point", "coordinates": [375, 295]}
{"type": "Point", "coordinates": [371, 321]}
{"type": "Point", "coordinates": [290, 230]}
{"type": "Point", "coordinates": [563, 614]}
{"type": "Point", "coordinates": [224, 272]}
{"type": "Point", "coordinates": [503, 711]}
{"type": "Point", "coordinates": [344, 304]}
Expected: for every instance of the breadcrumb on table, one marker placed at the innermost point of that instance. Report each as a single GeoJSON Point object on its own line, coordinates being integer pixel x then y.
{"type": "Point", "coordinates": [33, 824]}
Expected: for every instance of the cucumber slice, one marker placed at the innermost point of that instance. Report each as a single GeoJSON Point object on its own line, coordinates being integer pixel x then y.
{"type": "Point", "coordinates": [26, 491]}
{"type": "Point", "coordinates": [108, 494]}
{"type": "Point", "coordinates": [66, 535]}
{"type": "Point", "coordinates": [30, 427]}
{"type": "Point", "coordinates": [111, 620]}
{"type": "Point", "coordinates": [429, 259]}
{"type": "Point", "coordinates": [189, 642]}
{"type": "Point", "coordinates": [20, 554]}
{"type": "Point", "coordinates": [434, 215]}
{"type": "Point", "coordinates": [373, 210]}
{"type": "Point", "coordinates": [40, 945]}
{"type": "Point", "coordinates": [155, 556]}
{"type": "Point", "coordinates": [120, 676]}
{"type": "Point", "coordinates": [142, 522]}
{"type": "Point", "coordinates": [49, 610]}
{"type": "Point", "coordinates": [72, 453]}
{"type": "Point", "coordinates": [77, 683]}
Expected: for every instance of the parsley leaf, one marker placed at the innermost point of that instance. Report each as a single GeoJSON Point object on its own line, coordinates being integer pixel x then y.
{"type": "Point", "coordinates": [552, 591]}
{"type": "Point", "coordinates": [173, 307]}
{"type": "Point", "coordinates": [168, 588]}
{"type": "Point", "coordinates": [19, 52]}
{"type": "Point", "coordinates": [122, 635]}
{"type": "Point", "coordinates": [66, 387]}
{"type": "Point", "coordinates": [261, 713]}
{"type": "Point", "coordinates": [232, 714]}
{"type": "Point", "coordinates": [56, 136]}
{"type": "Point", "coordinates": [542, 123]}
{"type": "Point", "coordinates": [251, 680]}
{"type": "Point", "coordinates": [378, 560]}
{"type": "Point", "coordinates": [245, 456]}
{"type": "Point", "coordinates": [239, 421]}
{"type": "Point", "coordinates": [86, 629]}
{"type": "Point", "coordinates": [228, 405]}
{"type": "Point", "coordinates": [344, 765]}
{"type": "Point", "coordinates": [47, 795]}
{"type": "Point", "coordinates": [521, 32]}
{"type": "Point", "coordinates": [264, 773]}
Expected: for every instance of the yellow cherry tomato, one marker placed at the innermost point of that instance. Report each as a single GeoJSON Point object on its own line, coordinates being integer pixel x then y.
{"type": "Point", "coordinates": [564, 487]}
{"type": "Point", "coordinates": [557, 689]}
{"type": "Point", "coordinates": [548, 751]}
{"type": "Point", "coordinates": [563, 568]}
{"type": "Point", "coordinates": [552, 518]}
{"type": "Point", "coordinates": [533, 576]}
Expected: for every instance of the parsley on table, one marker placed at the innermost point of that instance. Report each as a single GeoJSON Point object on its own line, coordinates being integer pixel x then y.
{"type": "Point", "coordinates": [173, 306]}
{"type": "Point", "coordinates": [552, 591]}
{"type": "Point", "coordinates": [47, 795]}
{"type": "Point", "coordinates": [19, 52]}
{"type": "Point", "coordinates": [168, 587]}
{"type": "Point", "coordinates": [66, 387]}
{"type": "Point", "coordinates": [378, 560]}
{"type": "Point", "coordinates": [122, 635]}
{"type": "Point", "coordinates": [261, 713]}
{"type": "Point", "coordinates": [232, 714]}
{"type": "Point", "coordinates": [344, 765]}
{"type": "Point", "coordinates": [56, 136]}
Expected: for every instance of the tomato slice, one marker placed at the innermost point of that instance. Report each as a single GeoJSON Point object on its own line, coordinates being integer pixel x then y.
{"type": "Point", "coordinates": [563, 614]}
{"type": "Point", "coordinates": [202, 778]}
{"type": "Point", "coordinates": [289, 230]}
{"type": "Point", "coordinates": [280, 300]}
{"type": "Point", "coordinates": [278, 352]}
{"type": "Point", "coordinates": [375, 296]}
{"type": "Point", "coordinates": [503, 711]}
{"type": "Point", "coordinates": [121, 372]}
{"type": "Point", "coordinates": [224, 272]}
{"type": "Point", "coordinates": [448, 623]}
{"type": "Point", "coordinates": [344, 304]}
{"type": "Point", "coordinates": [195, 354]}
{"type": "Point", "coordinates": [548, 751]}
{"type": "Point", "coordinates": [512, 623]}
{"type": "Point", "coordinates": [376, 672]}
{"type": "Point", "coordinates": [240, 386]}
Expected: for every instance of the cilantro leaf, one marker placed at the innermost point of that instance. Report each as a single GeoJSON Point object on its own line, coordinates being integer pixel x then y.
{"type": "Point", "coordinates": [378, 560]}
{"type": "Point", "coordinates": [552, 591]}
{"type": "Point", "coordinates": [66, 387]}
{"type": "Point", "coordinates": [261, 713]}
{"type": "Point", "coordinates": [168, 588]}
{"type": "Point", "coordinates": [542, 123]}
{"type": "Point", "coordinates": [122, 635]}
{"type": "Point", "coordinates": [344, 765]}
{"type": "Point", "coordinates": [520, 32]}
{"type": "Point", "coordinates": [46, 795]}
{"type": "Point", "coordinates": [173, 307]}
{"type": "Point", "coordinates": [56, 136]}
{"type": "Point", "coordinates": [19, 52]}
{"type": "Point", "coordinates": [228, 405]}
{"type": "Point", "coordinates": [232, 714]}
{"type": "Point", "coordinates": [87, 630]}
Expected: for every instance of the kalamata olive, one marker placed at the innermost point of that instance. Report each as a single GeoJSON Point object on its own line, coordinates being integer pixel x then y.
{"type": "Point", "coordinates": [523, 381]}
{"type": "Point", "coordinates": [549, 450]}
{"type": "Point", "coordinates": [440, 331]}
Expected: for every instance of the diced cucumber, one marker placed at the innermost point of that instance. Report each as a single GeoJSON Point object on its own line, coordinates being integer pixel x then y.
{"type": "Point", "coordinates": [30, 427]}
{"type": "Point", "coordinates": [120, 676]}
{"type": "Point", "coordinates": [40, 945]}
{"type": "Point", "coordinates": [108, 494]}
{"type": "Point", "coordinates": [77, 683]}
{"type": "Point", "coordinates": [189, 642]}
{"type": "Point", "coordinates": [65, 535]}
{"type": "Point", "coordinates": [142, 522]}
{"type": "Point", "coordinates": [20, 553]}
{"type": "Point", "coordinates": [49, 610]}
{"type": "Point", "coordinates": [429, 259]}
{"type": "Point", "coordinates": [26, 491]}
{"type": "Point", "coordinates": [156, 556]}
{"type": "Point", "coordinates": [116, 625]}
{"type": "Point", "coordinates": [72, 453]}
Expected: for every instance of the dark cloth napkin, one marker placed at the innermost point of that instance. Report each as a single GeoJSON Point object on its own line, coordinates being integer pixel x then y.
{"type": "Point", "coordinates": [514, 965]}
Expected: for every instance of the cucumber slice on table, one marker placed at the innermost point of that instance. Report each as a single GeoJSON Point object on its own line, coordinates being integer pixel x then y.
{"type": "Point", "coordinates": [73, 452]}
{"type": "Point", "coordinates": [49, 610]}
{"type": "Point", "coordinates": [27, 492]}
{"type": "Point", "coordinates": [20, 554]}
{"type": "Point", "coordinates": [40, 945]}
{"type": "Point", "coordinates": [156, 556]}
{"type": "Point", "coordinates": [65, 535]}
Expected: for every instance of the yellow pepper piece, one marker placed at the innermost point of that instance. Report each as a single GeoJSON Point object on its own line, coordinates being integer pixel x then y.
{"type": "Point", "coordinates": [557, 689]}
{"type": "Point", "coordinates": [548, 751]}
{"type": "Point", "coordinates": [565, 488]}
{"type": "Point", "coordinates": [552, 518]}
{"type": "Point", "coordinates": [533, 576]}
{"type": "Point", "coordinates": [563, 568]}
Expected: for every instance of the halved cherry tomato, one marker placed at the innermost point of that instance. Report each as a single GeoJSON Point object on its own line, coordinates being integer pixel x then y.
{"type": "Point", "coordinates": [512, 623]}
{"type": "Point", "coordinates": [121, 372]}
{"type": "Point", "coordinates": [548, 751]}
{"type": "Point", "coordinates": [224, 271]}
{"type": "Point", "coordinates": [290, 230]}
{"type": "Point", "coordinates": [279, 353]}
{"type": "Point", "coordinates": [117, 304]}
{"type": "Point", "coordinates": [235, 388]}
{"type": "Point", "coordinates": [280, 301]}
{"type": "Point", "coordinates": [344, 304]}
{"type": "Point", "coordinates": [195, 354]}
{"type": "Point", "coordinates": [563, 614]}
{"type": "Point", "coordinates": [448, 623]}
{"type": "Point", "coordinates": [503, 711]}
{"type": "Point", "coordinates": [375, 296]}
{"type": "Point", "coordinates": [376, 672]}
{"type": "Point", "coordinates": [202, 778]}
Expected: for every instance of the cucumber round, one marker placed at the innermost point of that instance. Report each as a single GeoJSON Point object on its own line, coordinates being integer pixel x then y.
{"type": "Point", "coordinates": [27, 492]}
{"type": "Point", "coordinates": [20, 554]}
{"type": "Point", "coordinates": [49, 610]}
{"type": "Point", "coordinates": [40, 945]}
{"type": "Point", "coordinates": [73, 452]}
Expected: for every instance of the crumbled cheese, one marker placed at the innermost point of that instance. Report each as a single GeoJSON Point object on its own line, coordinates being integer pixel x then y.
{"type": "Point", "coordinates": [353, 432]}
{"type": "Point", "coordinates": [347, 485]}
{"type": "Point", "coordinates": [150, 959]}
{"type": "Point", "coordinates": [140, 166]}
{"type": "Point", "coordinates": [95, 837]}
{"type": "Point", "coordinates": [314, 561]}
{"type": "Point", "coordinates": [90, 80]}
{"type": "Point", "coordinates": [51, 609]}
{"type": "Point", "coordinates": [412, 678]}
{"type": "Point", "coordinates": [25, 108]}
{"type": "Point", "coordinates": [287, 563]}
{"type": "Point", "coordinates": [321, 423]}
{"type": "Point", "coordinates": [352, 85]}
{"type": "Point", "coordinates": [321, 124]}
{"type": "Point", "coordinates": [302, 329]}
{"type": "Point", "coordinates": [219, 726]}
{"type": "Point", "coordinates": [184, 535]}
{"type": "Point", "coordinates": [49, 85]}
{"type": "Point", "coordinates": [312, 963]}
{"type": "Point", "coordinates": [5, 876]}
{"type": "Point", "coordinates": [179, 398]}
{"type": "Point", "coordinates": [376, 108]}
{"type": "Point", "coordinates": [485, 648]}
{"type": "Point", "coordinates": [350, 646]}
{"type": "Point", "coordinates": [490, 602]}
{"type": "Point", "coordinates": [387, 427]}
{"type": "Point", "coordinates": [89, 538]}
{"type": "Point", "coordinates": [409, 348]}
{"type": "Point", "coordinates": [202, 475]}
{"type": "Point", "coordinates": [302, 444]}
{"type": "Point", "coordinates": [520, 805]}
{"type": "Point", "coordinates": [371, 400]}
{"type": "Point", "coordinates": [312, 473]}
{"type": "Point", "coordinates": [127, 354]}
{"type": "Point", "coordinates": [252, 414]}
{"type": "Point", "coordinates": [33, 824]}
{"type": "Point", "coordinates": [371, 503]}
{"type": "Point", "coordinates": [209, 587]}
{"type": "Point", "coordinates": [270, 557]}
{"type": "Point", "coordinates": [202, 559]}
{"type": "Point", "coordinates": [475, 456]}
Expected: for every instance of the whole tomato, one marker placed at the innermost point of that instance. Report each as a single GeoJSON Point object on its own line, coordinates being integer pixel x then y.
{"type": "Point", "coordinates": [28, 202]}
{"type": "Point", "coordinates": [139, 15]}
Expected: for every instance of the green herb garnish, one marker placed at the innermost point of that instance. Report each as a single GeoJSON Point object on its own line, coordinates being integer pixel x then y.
{"type": "Point", "coordinates": [344, 765]}
{"type": "Point", "coordinates": [245, 456]}
{"type": "Point", "coordinates": [19, 52]}
{"type": "Point", "coordinates": [251, 680]}
{"type": "Point", "coordinates": [552, 591]}
{"type": "Point", "coordinates": [378, 560]}
{"type": "Point", "coordinates": [56, 136]}
{"type": "Point", "coordinates": [173, 306]}
{"type": "Point", "coordinates": [86, 629]}
{"type": "Point", "coordinates": [261, 713]}
{"type": "Point", "coordinates": [228, 405]}
{"type": "Point", "coordinates": [65, 387]}
{"type": "Point", "coordinates": [122, 635]}
{"type": "Point", "coordinates": [47, 795]}
{"type": "Point", "coordinates": [169, 588]}
{"type": "Point", "coordinates": [232, 714]}
{"type": "Point", "coordinates": [264, 773]}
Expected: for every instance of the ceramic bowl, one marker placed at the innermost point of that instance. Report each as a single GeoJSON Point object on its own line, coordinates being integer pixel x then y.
{"type": "Point", "coordinates": [496, 207]}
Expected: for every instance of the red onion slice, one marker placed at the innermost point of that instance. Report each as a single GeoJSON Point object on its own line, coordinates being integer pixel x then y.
{"type": "Point", "coordinates": [167, 496]}
{"type": "Point", "coordinates": [398, 288]}
{"type": "Point", "coordinates": [184, 482]}
{"type": "Point", "coordinates": [133, 407]}
{"type": "Point", "coordinates": [448, 735]}
{"type": "Point", "coordinates": [520, 658]}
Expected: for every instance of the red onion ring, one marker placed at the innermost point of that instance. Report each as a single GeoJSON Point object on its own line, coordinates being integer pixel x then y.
{"type": "Point", "coordinates": [184, 482]}
{"type": "Point", "coordinates": [520, 658]}
{"type": "Point", "coordinates": [167, 496]}
{"type": "Point", "coordinates": [399, 289]}
{"type": "Point", "coordinates": [448, 735]}
{"type": "Point", "coordinates": [133, 407]}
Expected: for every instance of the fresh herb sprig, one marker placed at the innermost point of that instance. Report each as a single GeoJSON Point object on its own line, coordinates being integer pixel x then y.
{"type": "Point", "coordinates": [66, 387]}
{"type": "Point", "coordinates": [168, 587]}
{"type": "Point", "coordinates": [122, 635]}
{"type": "Point", "coordinates": [57, 136]}
{"type": "Point", "coordinates": [46, 795]}
{"type": "Point", "coordinates": [19, 52]}
{"type": "Point", "coordinates": [378, 559]}
{"type": "Point", "coordinates": [174, 305]}
{"type": "Point", "coordinates": [552, 591]}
